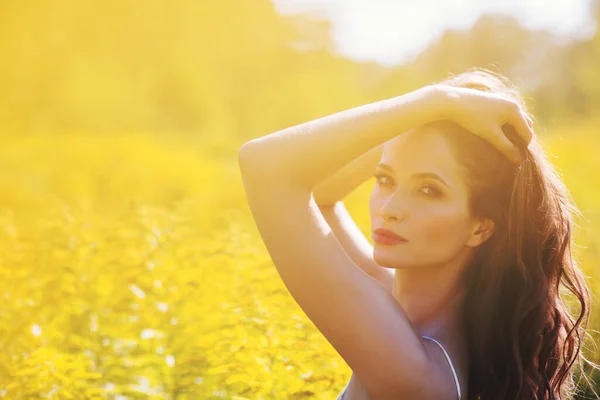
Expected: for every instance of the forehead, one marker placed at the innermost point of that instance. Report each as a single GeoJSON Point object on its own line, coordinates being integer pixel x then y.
{"type": "Point", "coordinates": [422, 150]}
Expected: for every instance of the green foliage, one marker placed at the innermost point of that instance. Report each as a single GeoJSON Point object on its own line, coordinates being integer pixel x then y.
{"type": "Point", "coordinates": [237, 69]}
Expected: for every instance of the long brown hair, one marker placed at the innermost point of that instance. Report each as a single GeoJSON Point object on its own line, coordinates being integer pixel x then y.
{"type": "Point", "coordinates": [523, 340]}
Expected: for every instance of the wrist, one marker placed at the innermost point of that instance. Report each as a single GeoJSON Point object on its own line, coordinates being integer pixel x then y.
{"type": "Point", "coordinates": [441, 102]}
{"type": "Point", "coordinates": [427, 104]}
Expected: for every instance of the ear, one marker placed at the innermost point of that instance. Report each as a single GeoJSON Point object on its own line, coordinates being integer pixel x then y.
{"type": "Point", "coordinates": [482, 231]}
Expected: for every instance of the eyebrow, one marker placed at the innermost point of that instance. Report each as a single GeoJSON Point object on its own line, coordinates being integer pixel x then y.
{"type": "Point", "coordinates": [417, 175]}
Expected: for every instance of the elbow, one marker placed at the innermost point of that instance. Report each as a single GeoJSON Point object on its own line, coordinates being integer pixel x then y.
{"type": "Point", "coordinates": [247, 157]}
{"type": "Point", "coordinates": [257, 159]}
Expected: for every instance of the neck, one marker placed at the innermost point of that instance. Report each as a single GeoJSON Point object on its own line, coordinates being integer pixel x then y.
{"type": "Point", "coordinates": [432, 297]}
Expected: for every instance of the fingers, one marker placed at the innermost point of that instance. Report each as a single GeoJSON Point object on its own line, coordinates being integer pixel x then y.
{"type": "Point", "coordinates": [523, 125]}
{"type": "Point", "coordinates": [502, 143]}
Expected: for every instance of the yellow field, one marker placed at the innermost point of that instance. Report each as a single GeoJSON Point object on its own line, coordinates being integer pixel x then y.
{"type": "Point", "coordinates": [130, 265]}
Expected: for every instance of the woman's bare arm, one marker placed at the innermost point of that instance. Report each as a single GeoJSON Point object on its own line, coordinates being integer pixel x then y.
{"type": "Point", "coordinates": [357, 315]}
{"type": "Point", "coordinates": [310, 152]}
{"type": "Point", "coordinates": [329, 196]}
{"type": "Point", "coordinates": [343, 181]}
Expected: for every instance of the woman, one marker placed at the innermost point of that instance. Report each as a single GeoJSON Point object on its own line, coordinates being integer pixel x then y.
{"type": "Point", "coordinates": [459, 295]}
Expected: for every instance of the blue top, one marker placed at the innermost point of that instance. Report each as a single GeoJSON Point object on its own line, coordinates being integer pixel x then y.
{"type": "Point", "coordinates": [341, 396]}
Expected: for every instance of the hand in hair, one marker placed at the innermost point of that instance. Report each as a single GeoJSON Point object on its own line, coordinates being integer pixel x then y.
{"type": "Point", "coordinates": [486, 114]}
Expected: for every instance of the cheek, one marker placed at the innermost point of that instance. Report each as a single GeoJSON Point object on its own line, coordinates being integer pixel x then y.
{"type": "Point", "coordinates": [373, 205]}
{"type": "Point", "coordinates": [440, 225]}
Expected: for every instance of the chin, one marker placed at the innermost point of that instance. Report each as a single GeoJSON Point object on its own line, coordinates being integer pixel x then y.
{"type": "Point", "coordinates": [388, 260]}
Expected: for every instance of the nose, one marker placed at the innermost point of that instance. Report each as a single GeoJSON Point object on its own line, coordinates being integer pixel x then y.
{"type": "Point", "coordinates": [392, 209]}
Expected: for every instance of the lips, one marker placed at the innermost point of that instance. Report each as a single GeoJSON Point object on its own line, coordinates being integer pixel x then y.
{"type": "Point", "coordinates": [388, 233]}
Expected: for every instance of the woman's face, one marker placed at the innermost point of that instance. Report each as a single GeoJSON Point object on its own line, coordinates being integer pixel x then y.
{"type": "Point", "coordinates": [408, 199]}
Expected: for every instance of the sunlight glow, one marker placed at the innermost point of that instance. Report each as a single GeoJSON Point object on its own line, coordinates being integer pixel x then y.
{"type": "Point", "coordinates": [391, 32]}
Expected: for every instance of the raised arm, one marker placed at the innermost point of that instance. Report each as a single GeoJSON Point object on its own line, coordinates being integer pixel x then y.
{"type": "Point", "coordinates": [329, 196]}
{"type": "Point", "coordinates": [311, 152]}
{"type": "Point", "coordinates": [356, 314]}
{"type": "Point", "coordinates": [341, 183]}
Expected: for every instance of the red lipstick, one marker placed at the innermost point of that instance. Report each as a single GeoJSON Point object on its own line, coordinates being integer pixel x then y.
{"type": "Point", "coordinates": [385, 236]}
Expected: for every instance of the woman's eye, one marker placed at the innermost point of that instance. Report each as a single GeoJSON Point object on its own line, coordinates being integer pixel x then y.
{"type": "Point", "coordinates": [378, 178]}
{"type": "Point", "coordinates": [427, 190]}
{"type": "Point", "coordinates": [432, 192]}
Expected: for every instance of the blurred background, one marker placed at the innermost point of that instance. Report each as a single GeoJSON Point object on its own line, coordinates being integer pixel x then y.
{"type": "Point", "coordinates": [130, 267]}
